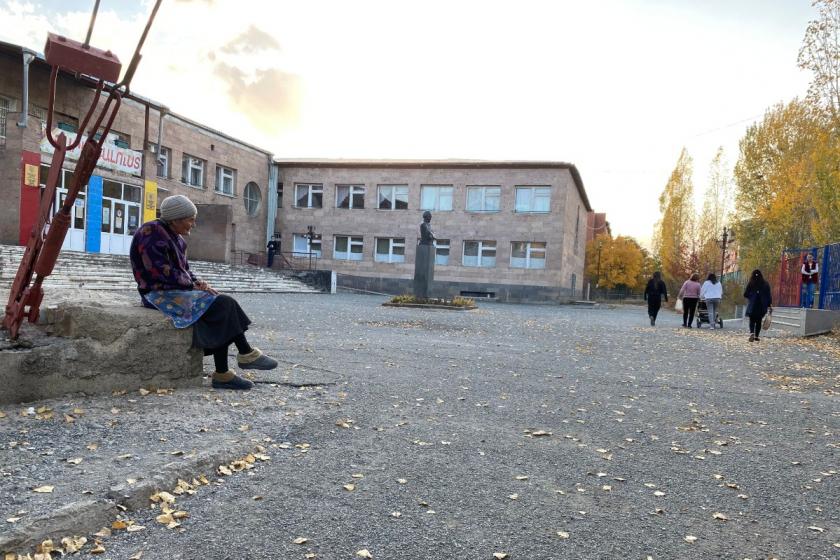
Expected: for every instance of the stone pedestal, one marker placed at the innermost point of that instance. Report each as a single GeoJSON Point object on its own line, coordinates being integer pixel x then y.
{"type": "Point", "coordinates": [424, 271]}
{"type": "Point", "coordinates": [96, 349]}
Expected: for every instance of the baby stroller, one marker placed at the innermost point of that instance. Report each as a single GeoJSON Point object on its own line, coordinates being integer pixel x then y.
{"type": "Point", "coordinates": [703, 315]}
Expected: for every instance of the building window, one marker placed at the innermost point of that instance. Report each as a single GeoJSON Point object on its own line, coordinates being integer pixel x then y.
{"type": "Point", "coordinates": [302, 245]}
{"type": "Point", "coordinates": [393, 197]}
{"type": "Point", "coordinates": [390, 249]}
{"type": "Point", "coordinates": [434, 197]}
{"type": "Point", "coordinates": [348, 248]}
{"type": "Point", "coordinates": [527, 254]}
{"type": "Point", "coordinates": [192, 171]}
{"type": "Point", "coordinates": [574, 283]}
{"type": "Point", "coordinates": [533, 199]}
{"type": "Point", "coordinates": [309, 195]}
{"type": "Point", "coordinates": [349, 196]}
{"type": "Point", "coordinates": [225, 180]}
{"type": "Point", "coordinates": [479, 253]}
{"type": "Point", "coordinates": [5, 108]}
{"type": "Point", "coordinates": [279, 195]}
{"type": "Point", "coordinates": [253, 198]}
{"type": "Point", "coordinates": [483, 199]}
{"type": "Point", "coordinates": [163, 159]}
{"type": "Point", "coordinates": [442, 251]}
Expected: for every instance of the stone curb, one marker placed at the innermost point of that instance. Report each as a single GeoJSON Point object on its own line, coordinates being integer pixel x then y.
{"type": "Point", "coordinates": [85, 517]}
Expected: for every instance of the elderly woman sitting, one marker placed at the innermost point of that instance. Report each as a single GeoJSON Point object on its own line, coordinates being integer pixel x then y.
{"type": "Point", "coordinates": [165, 282]}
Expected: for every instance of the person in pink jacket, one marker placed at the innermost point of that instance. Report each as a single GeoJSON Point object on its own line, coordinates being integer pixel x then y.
{"type": "Point", "coordinates": [690, 294]}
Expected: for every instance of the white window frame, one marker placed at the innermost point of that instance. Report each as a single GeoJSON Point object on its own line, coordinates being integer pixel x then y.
{"type": "Point", "coordinates": [6, 106]}
{"type": "Point", "coordinates": [391, 256]}
{"type": "Point", "coordinates": [395, 190]}
{"type": "Point", "coordinates": [249, 198]}
{"type": "Point", "coordinates": [482, 260]}
{"type": "Point", "coordinates": [349, 255]}
{"type": "Point", "coordinates": [312, 189]}
{"type": "Point", "coordinates": [442, 244]}
{"type": "Point", "coordinates": [193, 164]}
{"type": "Point", "coordinates": [436, 198]}
{"type": "Point", "coordinates": [225, 173]}
{"type": "Point", "coordinates": [532, 249]}
{"type": "Point", "coordinates": [351, 191]}
{"type": "Point", "coordinates": [536, 192]}
{"type": "Point", "coordinates": [483, 207]}
{"type": "Point", "coordinates": [302, 245]}
{"type": "Point", "coordinates": [164, 159]}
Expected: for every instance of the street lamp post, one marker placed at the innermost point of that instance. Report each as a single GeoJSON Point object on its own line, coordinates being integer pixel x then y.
{"type": "Point", "coordinates": [598, 273]}
{"type": "Point", "coordinates": [310, 235]}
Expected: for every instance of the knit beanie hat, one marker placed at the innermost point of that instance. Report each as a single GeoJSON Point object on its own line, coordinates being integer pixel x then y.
{"type": "Point", "coordinates": [176, 207]}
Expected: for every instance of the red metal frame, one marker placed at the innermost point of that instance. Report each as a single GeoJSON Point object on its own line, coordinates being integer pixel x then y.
{"type": "Point", "coordinates": [48, 234]}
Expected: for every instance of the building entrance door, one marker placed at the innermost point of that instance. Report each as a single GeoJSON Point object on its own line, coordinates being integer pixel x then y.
{"type": "Point", "coordinates": [75, 238]}
{"type": "Point", "coordinates": [121, 211]}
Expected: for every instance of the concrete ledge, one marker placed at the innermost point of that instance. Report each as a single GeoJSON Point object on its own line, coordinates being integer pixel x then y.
{"type": "Point", "coordinates": [96, 349]}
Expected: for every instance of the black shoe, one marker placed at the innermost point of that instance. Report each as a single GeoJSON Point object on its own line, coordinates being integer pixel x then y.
{"type": "Point", "coordinates": [652, 321]}
{"type": "Point", "coordinates": [236, 383]}
{"type": "Point", "coordinates": [256, 360]}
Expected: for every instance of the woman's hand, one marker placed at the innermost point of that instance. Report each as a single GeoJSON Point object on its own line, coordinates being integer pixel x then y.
{"type": "Point", "coordinates": [202, 285]}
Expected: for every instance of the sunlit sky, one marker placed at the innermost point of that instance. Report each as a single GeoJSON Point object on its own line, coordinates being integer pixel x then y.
{"type": "Point", "coordinates": [617, 87]}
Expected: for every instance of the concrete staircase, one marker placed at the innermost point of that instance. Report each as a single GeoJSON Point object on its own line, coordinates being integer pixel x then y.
{"type": "Point", "coordinates": [93, 271]}
{"type": "Point", "coordinates": [805, 322]}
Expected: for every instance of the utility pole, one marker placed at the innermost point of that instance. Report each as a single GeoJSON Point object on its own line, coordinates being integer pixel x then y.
{"type": "Point", "coordinates": [727, 238]}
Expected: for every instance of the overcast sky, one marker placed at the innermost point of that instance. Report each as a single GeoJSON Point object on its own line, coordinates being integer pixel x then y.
{"type": "Point", "coordinates": [617, 87]}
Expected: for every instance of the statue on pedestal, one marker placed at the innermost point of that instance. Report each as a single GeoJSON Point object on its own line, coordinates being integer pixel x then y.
{"type": "Point", "coordinates": [424, 260]}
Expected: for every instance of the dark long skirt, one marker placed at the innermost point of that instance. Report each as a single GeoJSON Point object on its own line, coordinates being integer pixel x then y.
{"type": "Point", "coordinates": [653, 307]}
{"type": "Point", "coordinates": [223, 321]}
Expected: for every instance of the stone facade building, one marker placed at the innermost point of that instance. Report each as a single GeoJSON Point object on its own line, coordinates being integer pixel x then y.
{"type": "Point", "coordinates": [511, 230]}
{"type": "Point", "coordinates": [228, 179]}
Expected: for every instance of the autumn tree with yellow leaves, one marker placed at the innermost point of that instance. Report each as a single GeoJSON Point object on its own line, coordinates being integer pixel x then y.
{"type": "Point", "coordinates": [673, 242]}
{"type": "Point", "coordinates": [617, 263]}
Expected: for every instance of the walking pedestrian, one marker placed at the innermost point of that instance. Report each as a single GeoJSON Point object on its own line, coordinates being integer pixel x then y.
{"type": "Point", "coordinates": [712, 292]}
{"type": "Point", "coordinates": [165, 282]}
{"type": "Point", "coordinates": [655, 292]}
{"type": "Point", "coordinates": [810, 279]}
{"type": "Point", "coordinates": [759, 301]}
{"type": "Point", "coordinates": [690, 294]}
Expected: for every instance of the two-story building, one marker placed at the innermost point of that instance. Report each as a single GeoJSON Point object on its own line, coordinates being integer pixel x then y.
{"type": "Point", "coordinates": [513, 230]}
{"type": "Point", "coordinates": [228, 179]}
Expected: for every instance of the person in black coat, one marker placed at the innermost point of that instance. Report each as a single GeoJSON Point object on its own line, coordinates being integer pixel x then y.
{"type": "Point", "coordinates": [655, 292]}
{"type": "Point", "coordinates": [759, 301]}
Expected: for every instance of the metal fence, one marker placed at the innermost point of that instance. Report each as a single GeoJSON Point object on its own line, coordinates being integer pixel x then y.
{"type": "Point", "coordinates": [789, 289]}
{"type": "Point", "coordinates": [282, 261]}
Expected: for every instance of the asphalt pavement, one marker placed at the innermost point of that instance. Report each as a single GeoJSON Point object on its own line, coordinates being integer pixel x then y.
{"type": "Point", "coordinates": [512, 431]}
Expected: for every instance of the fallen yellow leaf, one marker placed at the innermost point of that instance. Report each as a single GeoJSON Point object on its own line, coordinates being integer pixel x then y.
{"type": "Point", "coordinates": [119, 525]}
{"type": "Point", "coordinates": [300, 540]}
{"type": "Point", "coordinates": [563, 534]}
{"type": "Point", "coordinates": [364, 553]}
{"type": "Point", "coordinates": [720, 516]}
{"type": "Point", "coordinates": [137, 555]}
{"type": "Point", "coordinates": [349, 487]}
{"type": "Point", "coordinates": [44, 489]}
{"type": "Point", "coordinates": [98, 549]}
{"type": "Point", "coordinates": [690, 538]}
{"type": "Point", "coordinates": [73, 544]}
{"type": "Point", "coordinates": [500, 555]}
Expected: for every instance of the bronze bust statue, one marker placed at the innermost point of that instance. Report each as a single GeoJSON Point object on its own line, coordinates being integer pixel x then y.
{"type": "Point", "coordinates": [427, 236]}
